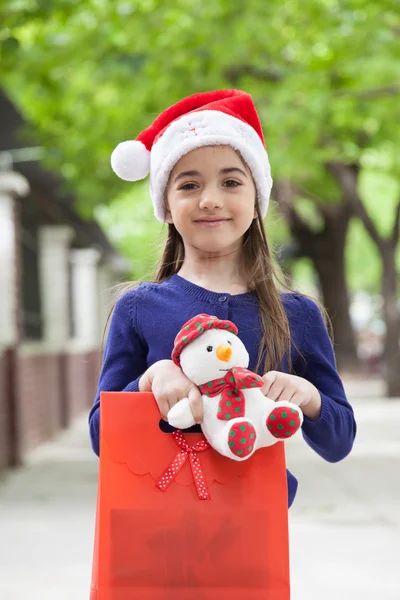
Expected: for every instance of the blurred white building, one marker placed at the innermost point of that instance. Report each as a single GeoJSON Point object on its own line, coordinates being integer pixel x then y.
{"type": "Point", "coordinates": [56, 272]}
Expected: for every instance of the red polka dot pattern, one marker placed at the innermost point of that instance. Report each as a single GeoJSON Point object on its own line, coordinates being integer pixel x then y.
{"type": "Point", "coordinates": [180, 459]}
{"type": "Point", "coordinates": [241, 438]}
{"type": "Point", "coordinates": [283, 422]}
{"type": "Point", "coordinates": [193, 328]}
{"type": "Point", "coordinates": [232, 402]}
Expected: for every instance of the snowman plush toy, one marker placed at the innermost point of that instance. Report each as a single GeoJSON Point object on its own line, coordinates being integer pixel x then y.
{"type": "Point", "coordinates": [238, 418]}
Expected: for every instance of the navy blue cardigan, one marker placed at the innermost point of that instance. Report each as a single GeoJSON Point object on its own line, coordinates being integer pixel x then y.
{"type": "Point", "coordinates": [147, 318]}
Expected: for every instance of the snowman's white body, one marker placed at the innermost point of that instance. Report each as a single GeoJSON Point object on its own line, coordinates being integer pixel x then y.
{"type": "Point", "coordinates": [208, 358]}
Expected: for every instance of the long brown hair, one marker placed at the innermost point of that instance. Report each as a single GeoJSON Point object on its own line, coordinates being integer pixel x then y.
{"type": "Point", "coordinates": [263, 278]}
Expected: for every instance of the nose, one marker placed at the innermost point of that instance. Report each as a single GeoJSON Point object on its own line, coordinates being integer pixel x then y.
{"type": "Point", "coordinates": [211, 198]}
{"type": "Point", "coordinates": [224, 353]}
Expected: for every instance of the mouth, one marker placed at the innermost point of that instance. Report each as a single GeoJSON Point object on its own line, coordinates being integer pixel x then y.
{"type": "Point", "coordinates": [226, 370]}
{"type": "Point", "coordinates": [212, 222]}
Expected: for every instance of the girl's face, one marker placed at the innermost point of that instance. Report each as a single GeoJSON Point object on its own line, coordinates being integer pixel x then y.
{"type": "Point", "coordinates": [211, 199]}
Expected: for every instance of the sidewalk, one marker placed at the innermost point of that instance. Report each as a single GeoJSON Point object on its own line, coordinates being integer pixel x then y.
{"type": "Point", "coordinates": [47, 520]}
{"type": "Point", "coordinates": [345, 523]}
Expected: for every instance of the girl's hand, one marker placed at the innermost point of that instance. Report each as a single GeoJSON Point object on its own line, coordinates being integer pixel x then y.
{"type": "Point", "coordinates": [282, 386]}
{"type": "Point", "coordinates": [169, 384]}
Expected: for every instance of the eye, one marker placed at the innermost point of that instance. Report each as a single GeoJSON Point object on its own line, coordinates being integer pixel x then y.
{"type": "Point", "coordinates": [209, 348]}
{"type": "Point", "coordinates": [188, 186]}
{"type": "Point", "coordinates": [230, 343]}
{"type": "Point", "coordinates": [231, 183]}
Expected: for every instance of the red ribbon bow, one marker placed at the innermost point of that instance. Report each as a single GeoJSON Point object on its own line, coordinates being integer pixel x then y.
{"type": "Point", "coordinates": [180, 459]}
{"type": "Point", "coordinates": [232, 402]}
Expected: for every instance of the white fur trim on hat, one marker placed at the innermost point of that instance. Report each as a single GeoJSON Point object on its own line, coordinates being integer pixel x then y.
{"type": "Point", "coordinates": [131, 160]}
{"type": "Point", "coordinates": [207, 128]}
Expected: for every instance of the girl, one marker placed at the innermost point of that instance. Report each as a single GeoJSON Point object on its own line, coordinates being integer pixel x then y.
{"type": "Point", "coordinates": [210, 181]}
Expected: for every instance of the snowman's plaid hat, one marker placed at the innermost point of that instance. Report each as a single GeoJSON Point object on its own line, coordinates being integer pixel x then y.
{"type": "Point", "coordinates": [194, 328]}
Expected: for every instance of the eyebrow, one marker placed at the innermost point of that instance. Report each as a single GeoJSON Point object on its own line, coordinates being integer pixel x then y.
{"type": "Point", "coordinates": [196, 173]}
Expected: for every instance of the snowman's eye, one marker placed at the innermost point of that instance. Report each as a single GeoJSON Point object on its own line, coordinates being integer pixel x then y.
{"type": "Point", "coordinates": [230, 343]}
{"type": "Point", "coordinates": [209, 348]}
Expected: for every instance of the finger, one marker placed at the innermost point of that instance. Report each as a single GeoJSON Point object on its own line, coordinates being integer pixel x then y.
{"type": "Point", "coordinates": [286, 394]}
{"type": "Point", "coordinates": [298, 398]}
{"type": "Point", "coordinates": [269, 378]}
{"type": "Point", "coordinates": [196, 404]}
{"type": "Point", "coordinates": [163, 406]}
{"type": "Point", "coordinates": [276, 389]}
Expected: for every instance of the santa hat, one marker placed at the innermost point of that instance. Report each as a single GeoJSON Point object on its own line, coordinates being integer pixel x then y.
{"type": "Point", "coordinates": [194, 328]}
{"type": "Point", "coordinates": [226, 117]}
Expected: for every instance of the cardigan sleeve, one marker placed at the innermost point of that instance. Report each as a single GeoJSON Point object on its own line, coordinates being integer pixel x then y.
{"type": "Point", "coordinates": [124, 360]}
{"type": "Point", "coordinates": [332, 434]}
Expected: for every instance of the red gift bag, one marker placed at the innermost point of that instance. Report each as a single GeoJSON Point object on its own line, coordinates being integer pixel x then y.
{"type": "Point", "coordinates": [157, 538]}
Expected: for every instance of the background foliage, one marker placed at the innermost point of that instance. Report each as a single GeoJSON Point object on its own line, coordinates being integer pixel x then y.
{"type": "Point", "coordinates": [323, 73]}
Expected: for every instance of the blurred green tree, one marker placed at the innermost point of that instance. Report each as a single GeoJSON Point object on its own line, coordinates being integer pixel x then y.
{"type": "Point", "coordinates": [324, 75]}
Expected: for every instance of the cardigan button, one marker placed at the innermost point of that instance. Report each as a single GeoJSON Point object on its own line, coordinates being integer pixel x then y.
{"type": "Point", "coordinates": [222, 299]}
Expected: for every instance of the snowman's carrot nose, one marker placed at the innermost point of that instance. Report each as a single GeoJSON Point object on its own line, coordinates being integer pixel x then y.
{"type": "Point", "coordinates": [224, 353]}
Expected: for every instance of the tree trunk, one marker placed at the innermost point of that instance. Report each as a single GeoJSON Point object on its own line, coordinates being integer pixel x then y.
{"type": "Point", "coordinates": [328, 256]}
{"type": "Point", "coordinates": [326, 250]}
{"type": "Point", "coordinates": [392, 321]}
{"type": "Point", "coordinates": [347, 176]}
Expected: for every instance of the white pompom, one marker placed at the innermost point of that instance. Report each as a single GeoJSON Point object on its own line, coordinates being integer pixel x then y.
{"type": "Point", "coordinates": [131, 160]}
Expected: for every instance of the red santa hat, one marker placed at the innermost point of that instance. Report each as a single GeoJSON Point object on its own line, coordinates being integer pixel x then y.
{"type": "Point", "coordinates": [194, 328]}
{"type": "Point", "coordinates": [223, 117]}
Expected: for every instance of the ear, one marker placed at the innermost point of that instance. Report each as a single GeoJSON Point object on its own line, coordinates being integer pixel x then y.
{"type": "Point", "coordinates": [255, 208]}
{"type": "Point", "coordinates": [168, 216]}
